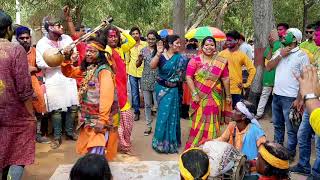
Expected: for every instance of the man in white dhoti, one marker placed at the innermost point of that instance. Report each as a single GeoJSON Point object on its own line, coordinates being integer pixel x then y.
{"type": "Point", "coordinates": [61, 91]}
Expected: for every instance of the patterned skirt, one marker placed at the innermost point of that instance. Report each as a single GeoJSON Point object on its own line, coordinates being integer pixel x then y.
{"type": "Point", "coordinates": [125, 129]}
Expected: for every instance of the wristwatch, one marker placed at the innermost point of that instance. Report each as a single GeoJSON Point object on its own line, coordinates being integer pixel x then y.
{"type": "Point", "coordinates": [310, 96]}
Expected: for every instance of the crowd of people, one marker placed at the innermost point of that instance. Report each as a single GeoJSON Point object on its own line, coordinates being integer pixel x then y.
{"type": "Point", "coordinates": [93, 97]}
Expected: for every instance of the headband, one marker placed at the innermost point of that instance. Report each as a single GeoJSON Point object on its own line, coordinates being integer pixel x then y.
{"type": "Point", "coordinates": [100, 47]}
{"type": "Point", "coordinates": [185, 172]}
{"type": "Point", "coordinates": [97, 46]}
{"type": "Point", "coordinates": [273, 160]}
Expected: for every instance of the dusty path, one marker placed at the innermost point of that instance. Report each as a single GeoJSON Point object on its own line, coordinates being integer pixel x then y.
{"type": "Point", "coordinates": [47, 160]}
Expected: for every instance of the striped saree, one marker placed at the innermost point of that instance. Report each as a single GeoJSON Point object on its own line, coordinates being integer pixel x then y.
{"type": "Point", "coordinates": [212, 111]}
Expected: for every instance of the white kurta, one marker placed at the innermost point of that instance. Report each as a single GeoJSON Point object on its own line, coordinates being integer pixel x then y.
{"type": "Point", "coordinates": [61, 92]}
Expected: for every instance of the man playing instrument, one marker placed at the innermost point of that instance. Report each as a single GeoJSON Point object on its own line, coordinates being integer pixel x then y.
{"type": "Point", "coordinates": [61, 91]}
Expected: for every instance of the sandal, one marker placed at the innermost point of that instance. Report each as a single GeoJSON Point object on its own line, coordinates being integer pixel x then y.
{"type": "Point", "coordinates": [55, 143]}
{"type": "Point", "coordinates": [148, 131]}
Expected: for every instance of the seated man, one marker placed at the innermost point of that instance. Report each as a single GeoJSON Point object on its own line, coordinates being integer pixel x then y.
{"type": "Point", "coordinates": [245, 134]}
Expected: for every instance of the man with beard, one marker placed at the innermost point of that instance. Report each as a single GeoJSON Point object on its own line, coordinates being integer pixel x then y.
{"type": "Point", "coordinates": [17, 121]}
{"type": "Point", "coordinates": [237, 59]}
{"type": "Point", "coordinates": [135, 73]}
{"type": "Point", "coordinates": [287, 61]}
{"type": "Point", "coordinates": [24, 38]}
{"type": "Point", "coordinates": [61, 91]}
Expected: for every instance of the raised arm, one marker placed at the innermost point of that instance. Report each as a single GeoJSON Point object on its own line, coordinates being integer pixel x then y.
{"type": "Point", "coordinates": [155, 60]}
{"type": "Point", "coordinates": [129, 44]}
{"type": "Point", "coordinates": [277, 57]}
{"type": "Point", "coordinates": [69, 22]}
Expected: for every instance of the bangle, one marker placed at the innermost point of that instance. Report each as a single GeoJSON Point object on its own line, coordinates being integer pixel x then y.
{"type": "Point", "coordinates": [194, 93]}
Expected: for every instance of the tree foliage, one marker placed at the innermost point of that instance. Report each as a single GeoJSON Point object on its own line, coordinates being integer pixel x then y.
{"type": "Point", "coordinates": [157, 14]}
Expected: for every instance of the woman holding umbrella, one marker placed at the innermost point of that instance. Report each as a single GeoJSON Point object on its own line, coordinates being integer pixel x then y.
{"type": "Point", "coordinates": [208, 79]}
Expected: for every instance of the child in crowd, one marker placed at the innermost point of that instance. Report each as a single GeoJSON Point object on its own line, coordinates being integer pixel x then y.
{"type": "Point", "coordinates": [91, 166]}
{"type": "Point", "coordinates": [273, 162]}
{"type": "Point", "coordinates": [194, 165]}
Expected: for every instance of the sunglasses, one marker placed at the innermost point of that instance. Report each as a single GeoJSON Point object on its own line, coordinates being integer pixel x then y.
{"type": "Point", "coordinates": [309, 32]}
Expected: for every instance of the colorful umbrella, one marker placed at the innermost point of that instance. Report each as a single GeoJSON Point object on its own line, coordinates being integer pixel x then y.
{"type": "Point", "coordinates": [165, 32]}
{"type": "Point", "coordinates": [202, 32]}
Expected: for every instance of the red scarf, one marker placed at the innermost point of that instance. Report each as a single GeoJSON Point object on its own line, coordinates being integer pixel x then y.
{"type": "Point", "coordinates": [121, 78]}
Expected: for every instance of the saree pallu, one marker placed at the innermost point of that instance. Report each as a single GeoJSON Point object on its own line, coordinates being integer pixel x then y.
{"type": "Point", "coordinates": [212, 111]}
{"type": "Point", "coordinates": [167, 136]}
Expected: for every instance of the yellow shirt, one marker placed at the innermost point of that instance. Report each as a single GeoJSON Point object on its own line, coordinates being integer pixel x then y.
{"type": "Point", "coordinates": [315, 121]}
{"type": "Point", "coordinates": [236, 60]}
{"type": "Point", "coordinates": [121, 50]}
{"type": "Point", "coordinates": [309, 54]}
{"type": "Point", "coordinates": [131, 59]}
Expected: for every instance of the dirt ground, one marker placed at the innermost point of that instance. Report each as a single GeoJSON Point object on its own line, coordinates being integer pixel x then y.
{"type": "Point", "coordinates": [47, 160]}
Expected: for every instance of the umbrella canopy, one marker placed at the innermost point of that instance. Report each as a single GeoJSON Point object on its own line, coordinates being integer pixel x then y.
{"type": "Point", "coordinates": [165, 32]}
{"type": "Point", "coordinates": [202, 32]}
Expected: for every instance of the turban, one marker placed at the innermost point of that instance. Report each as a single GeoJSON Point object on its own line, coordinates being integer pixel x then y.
{"type": "Point", "coordinates": [244, 110]}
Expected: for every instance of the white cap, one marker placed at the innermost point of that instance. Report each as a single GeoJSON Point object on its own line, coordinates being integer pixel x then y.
{"type": "Point", "coordinates": [296, 33]}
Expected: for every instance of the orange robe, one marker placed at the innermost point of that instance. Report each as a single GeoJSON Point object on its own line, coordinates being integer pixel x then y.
{"type": "Point", "coordinates": [38, 103]}
{"type": "Point", "coordinates": [88, 138]}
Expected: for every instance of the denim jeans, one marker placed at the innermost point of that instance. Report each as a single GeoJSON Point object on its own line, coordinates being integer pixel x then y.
{"type": "Point", "coordinates": [280, 118]}
{"type": "Point", "coordinates": [56, 117]}
{"type": "Point", "coordinates": [134, 83]}
{"type": "Point", "coordinates": [148, 95]}
{"type": "Point", "coordinates": [304, 139]}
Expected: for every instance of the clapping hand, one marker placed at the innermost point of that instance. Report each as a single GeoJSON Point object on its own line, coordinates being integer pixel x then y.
{"type": "Point", "coordinates": [308, 81]}
{"type": "Point", "coordinates": [160, 47]}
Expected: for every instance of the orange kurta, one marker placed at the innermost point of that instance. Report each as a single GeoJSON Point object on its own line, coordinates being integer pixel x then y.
{"type": "Point", "coordinates": [88, 138]}
{"type": "Point", "coordinates": [38, 103]}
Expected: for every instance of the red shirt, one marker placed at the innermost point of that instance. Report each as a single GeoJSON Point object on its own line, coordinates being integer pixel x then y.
{"type": "Point", "coordinates": [81, 47]}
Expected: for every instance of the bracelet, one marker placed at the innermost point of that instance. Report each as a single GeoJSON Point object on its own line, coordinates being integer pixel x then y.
{"type": "Point", "coordinates": [194, 93]}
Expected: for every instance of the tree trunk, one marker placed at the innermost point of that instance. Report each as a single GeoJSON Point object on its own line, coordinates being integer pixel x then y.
{"type": "Point", "coordinates": [306, 7]}
{"type": "Point", "coordinates": [179, 17]}
{"type": "Point", "coordinates": [263, 24]}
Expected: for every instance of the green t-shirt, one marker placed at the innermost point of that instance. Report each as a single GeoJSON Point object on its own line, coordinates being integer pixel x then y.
{"type": "Point", "coordinates": [268, 76]}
